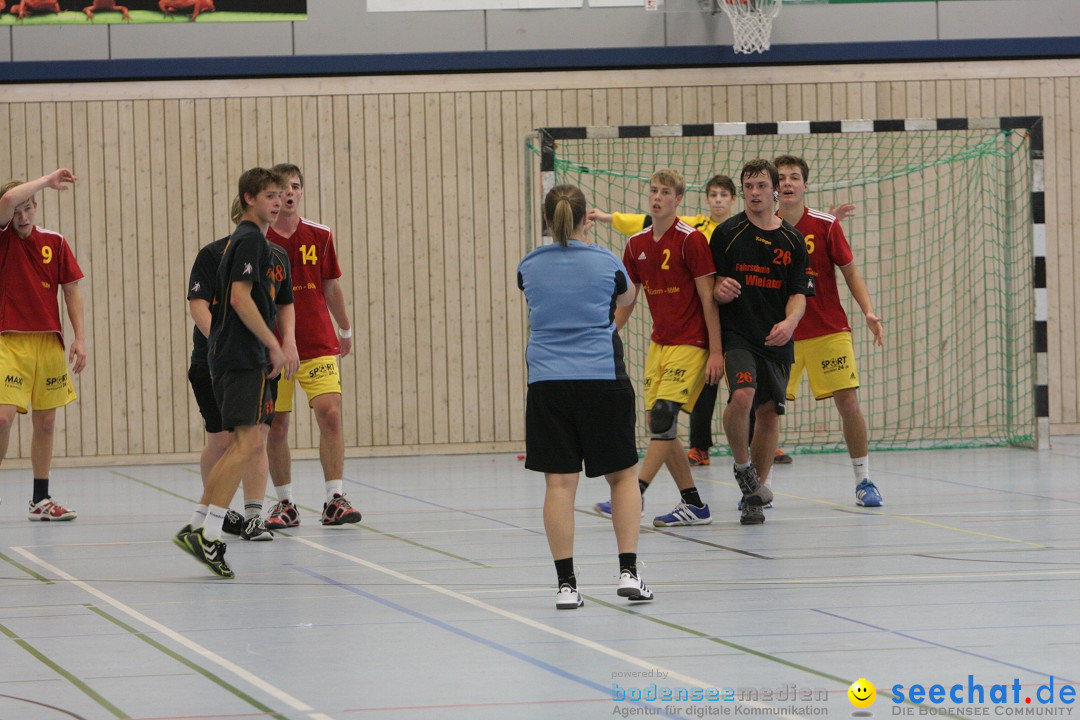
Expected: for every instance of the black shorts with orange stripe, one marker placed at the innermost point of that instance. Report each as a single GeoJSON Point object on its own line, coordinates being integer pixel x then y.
{"type": "Point", "coordinates": [245, 397]}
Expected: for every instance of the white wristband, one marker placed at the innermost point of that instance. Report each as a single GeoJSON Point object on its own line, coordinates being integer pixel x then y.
{"type": "Point", "coordinates": [344, 334]}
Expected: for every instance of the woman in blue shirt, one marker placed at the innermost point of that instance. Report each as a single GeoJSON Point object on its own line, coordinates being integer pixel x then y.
{"type": "Point", "coordinates": [580, 405]}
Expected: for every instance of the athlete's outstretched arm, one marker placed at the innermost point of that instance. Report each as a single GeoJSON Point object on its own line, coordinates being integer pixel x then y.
{"type": "Point", "coordinates": [19, 194]}
{"type": "Point", "coordinates": [73, 301]}
{"type": "Point", "coordinates": [859, 291]}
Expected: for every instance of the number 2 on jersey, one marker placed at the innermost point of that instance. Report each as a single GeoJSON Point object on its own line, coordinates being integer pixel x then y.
{"type": "Point", "coordinates": [667, 256]}
{"type": "Point", "coordinates": [307, 255]}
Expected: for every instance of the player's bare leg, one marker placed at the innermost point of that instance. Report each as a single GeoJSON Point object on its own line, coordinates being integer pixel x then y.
{"type": "Point", "coordinates": [277, 450]}
{"type": "Point", "coordinates": [41, 442]}
{"type": "Point", "coordinates": [855, 435]}
{"type": "Point", "coordinates": [331, 435]}
{"type": "Point", "coordinates": [7, 421]}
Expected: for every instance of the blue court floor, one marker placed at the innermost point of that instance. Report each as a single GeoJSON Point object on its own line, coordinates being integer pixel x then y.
{"type": "Point", "coordinates": [440, 604]}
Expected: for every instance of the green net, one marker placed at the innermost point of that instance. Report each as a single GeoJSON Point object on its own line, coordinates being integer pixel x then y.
{"type": "Point", "coordinates": [942, 235]}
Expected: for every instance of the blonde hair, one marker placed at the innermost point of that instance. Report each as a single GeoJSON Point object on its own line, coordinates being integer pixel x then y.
{"type": "Point", "coordinates": [671, 178]}
{"type": "Point", "coordinates": [564, 210]}
{"type": "Point", "coordinates": [236, 211]}
{"type": "Point", "coordinates": [12, 184]}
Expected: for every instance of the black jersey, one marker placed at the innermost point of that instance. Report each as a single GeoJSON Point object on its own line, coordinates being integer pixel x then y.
{"type": "Point", "coordinates": [248, 257]}
{"type": "Point", "coordinates": [201, 287]}
{"type": "Point", "coordinates": [770, 265]}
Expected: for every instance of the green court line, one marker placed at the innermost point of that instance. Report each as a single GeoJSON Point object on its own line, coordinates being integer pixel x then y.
{"type": "Point", "coordinates": [237, 692]}
{"type": "Point", "coordinates": [26, 570]}
{"type": "Point", "coordinates": [365, 526]}
{"type": "Point", "coordinates": [64, 673]}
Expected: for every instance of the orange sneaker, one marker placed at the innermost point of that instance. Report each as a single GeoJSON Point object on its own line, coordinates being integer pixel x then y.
{"type": "Point", "coordinates": [697, 457]}
{"type": "Point", "coordinates": [782, 458]}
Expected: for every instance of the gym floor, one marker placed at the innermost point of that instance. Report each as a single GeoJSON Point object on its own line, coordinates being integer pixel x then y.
{"type": "Point", "coordinates": [441, 602]}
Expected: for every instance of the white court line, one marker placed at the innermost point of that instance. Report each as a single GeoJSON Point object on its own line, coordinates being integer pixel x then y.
{"type": "Point", "coordinates": [529, 622]}
{"type": "Point", "coordinates": [168, 632]}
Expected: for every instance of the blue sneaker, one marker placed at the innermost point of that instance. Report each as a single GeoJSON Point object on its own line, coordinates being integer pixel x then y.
{"type": "Point", "coordinates": [684, 514]}
{"type": "Point", "coordinates": [604, 508]}
{"type": "Point", "coordinates": [867, 495]}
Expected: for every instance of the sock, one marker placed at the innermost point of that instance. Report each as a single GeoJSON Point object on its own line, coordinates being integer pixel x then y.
{"type": "Point", "coordinates": [861, 466]}
{"type": "Point", "coordinates": [565, 570]}
{"type": "Point", "coordinates": [690, 497]}
{"type": "Point", "coordinates": [743, 466]}
{"type": "Point", "coordinates": [642, 486]}
{"type": "Point", "coordinates": [628, 563]}
{"type": "Point", "coordinates": [284, 492]}
{"type": "Point", "coordinates": [199, 517]}
{"type": "Point", "coordinates": [215, 517]}
{"type": "Point", "coordinates": [334, 487]}
{"type": "Point", "coordinates": [41, 489]}
{"type": "Point", "coordinates": [252, 508]}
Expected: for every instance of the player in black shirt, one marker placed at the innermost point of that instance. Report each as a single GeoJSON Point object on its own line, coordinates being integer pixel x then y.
{"type": "Point", "coordinates": [761, 285]}
{"type": "Point", "coordinates": [244, 355]}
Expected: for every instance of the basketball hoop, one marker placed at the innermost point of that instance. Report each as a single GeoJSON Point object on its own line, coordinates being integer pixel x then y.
{"type": "Point", "coordinates": [752, 22]}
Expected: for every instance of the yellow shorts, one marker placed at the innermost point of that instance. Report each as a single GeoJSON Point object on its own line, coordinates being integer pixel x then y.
{"type": "Point", "coordinates": [317, 376]}
{"type": "Point", "coordinates": [829, 362]}
{"type": "Point", "coordinates": [674, 372]}
{"type": "Point", "coordinates": [34, 371]}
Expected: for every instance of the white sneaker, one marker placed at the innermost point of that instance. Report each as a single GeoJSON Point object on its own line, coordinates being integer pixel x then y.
{"type": "Point", "coordinates": [633, 589]}
{"type": "Point", "coordinates": [568, 598]}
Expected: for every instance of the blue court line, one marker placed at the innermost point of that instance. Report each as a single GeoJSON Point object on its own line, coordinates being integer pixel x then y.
{"type": "Point", "coordinates": [443, 507]}
{"type": "Point", "coordinates": [946, 647]}
{"type": "Point", "coordinates": [477, 639]}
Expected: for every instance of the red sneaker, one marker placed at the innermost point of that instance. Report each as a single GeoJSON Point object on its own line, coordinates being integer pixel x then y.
{"type": "Point", "coordinates": [697, 457]}
{"type": "Point", "coordinates": [49, 510]}
{"type": "Point", "coordinates": [338, 512]}
{"type": "Point", "coordinates": [282, 515]}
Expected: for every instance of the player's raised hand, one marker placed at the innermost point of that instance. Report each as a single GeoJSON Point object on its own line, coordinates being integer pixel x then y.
{"type": "Point", "coordinates": [60, 178]}
{"type": "Point", "coordinates": [842, 211]}
{"type": "Point", "coordinates": [726, 289]}
{"type": "Point", "coordinates": [598, 215]}
{"type": "Point", "coordinates": [876, 327]}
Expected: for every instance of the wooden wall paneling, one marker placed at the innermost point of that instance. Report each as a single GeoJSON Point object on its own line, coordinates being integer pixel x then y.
{"type": "Point", "coordinates": [436, 159]}
{"type": "Point", "coordinates": [451, 280]}
{"type": "Point", "coordinates": [987, 98]}
{"type": "Point", "coordinates": [376, 301]}
{"type": "Point", "coordinates": [485, 236]}
{"type": "Point", "coordinates": [390, 320]}
{"type": "Point", "coordinates": [974, 105]}
{"type": "Point", "coordinates": [511, 314]}
{"type": "Point", "coordinates": [405, 248]}
{"type": "Point", "coordinates": [73, 428]}
{"type": "Point", "coordinates": [423, 231]}
{"type": "Point", "coordinates": [142, 313]}
{"type": "Point", "coordinates": [500, 240]}
{"type": "Point", "coordinates": [941, 91]}
{"type": "Point", "coordinates": [1003, 97]}
{"type": "Point", "coordinates": [249, 133]}
{"type": "Point", "coordinates": [124, 197]}
{"type": "Point", "coordinates": [778, 103]}
{"type": "Point", "coordinates": [223, 183]}
{"type": "Point", "coordinates": [343, 242]}
{"type": "Point", "coordinates": [169, 264]}
{"type": "Point", "coordinates": [466, 267]}
{"type": "Point", "coordinates": [660, 109]}
{"type": "Point", "coordinates": [359, 367]}
{"type": "Point", "coordinates": [279, 130]}
{"type": "Point", "coordinates": [1018, 96]}
{"type": "Point", "coordinates": [752, 109]}
{"type": "Point", "coordinates": [214, 213]}
{"type": "Point", "coordinates": [793, 101]}
{"type": "Point", "coordinates": [184, 237]}
{"type": "Point", "coordinates": [1068, 258]}
{"type": "Point", "coordinates": [73, 132]}
{"type": "Point", "coordinates": [17, 129]}
{"type": "Point", "coordinates": [264, 132]}
{"type": "Point", "coordinates": [105, 356]}
{"type": "Point", "coordinates": [7, 145]}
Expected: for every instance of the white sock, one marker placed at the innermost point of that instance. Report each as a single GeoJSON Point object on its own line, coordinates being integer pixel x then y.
{"type": "Point", "coordinates": [252, 508]}
{"type": "Point", "coordinates": [861, 466]}
{"type": "Point", "coordinates": [743, 466]}
{"type": "Point", "coordinates": [215, 517]}
{"type": "Point", "coordinates": [199, 517]}
{"type": "Point", "coordinates": [334, 487]}
{"type": "Point", "coordinates": [284, 492]}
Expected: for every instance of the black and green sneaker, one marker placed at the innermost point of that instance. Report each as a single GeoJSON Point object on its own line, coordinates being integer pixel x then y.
{"type": "Point", "coordinates": [210, 553]}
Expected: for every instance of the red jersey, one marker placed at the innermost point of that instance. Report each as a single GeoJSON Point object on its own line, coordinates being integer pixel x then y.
{"type": "Point", "coordinates": [828, 249]}
{"type": "Point", "coordinates": [313, 260]}
{"type": "Point", "coordinates": [666, 270]}
{"type": "Point", "coordinates": [31, 273]}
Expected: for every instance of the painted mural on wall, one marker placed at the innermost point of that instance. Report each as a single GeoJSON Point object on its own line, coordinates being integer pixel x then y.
{"type": "Point", "coordinates": [82, 12]}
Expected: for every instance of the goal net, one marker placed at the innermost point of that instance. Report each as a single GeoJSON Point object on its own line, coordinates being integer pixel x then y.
{"type": "Point", "coordinates": [942, 235]}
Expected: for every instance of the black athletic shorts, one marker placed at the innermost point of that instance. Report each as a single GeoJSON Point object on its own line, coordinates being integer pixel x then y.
{"type": "Point", "coordinates": [246, 397]}
{"type": "Point", "coordinates": [570, 421]}
{"type": "Point", "coordinates": [203, 388]}
{"type": "Point", "coordinates": [743, 368]}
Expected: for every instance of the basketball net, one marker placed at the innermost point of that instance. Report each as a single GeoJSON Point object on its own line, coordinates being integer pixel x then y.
{"type": "Point", "coordinates": [752, 22]}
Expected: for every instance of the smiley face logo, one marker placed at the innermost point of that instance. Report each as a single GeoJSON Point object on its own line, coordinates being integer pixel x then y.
{"type": "Point", "coordinates": [862, 693]}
